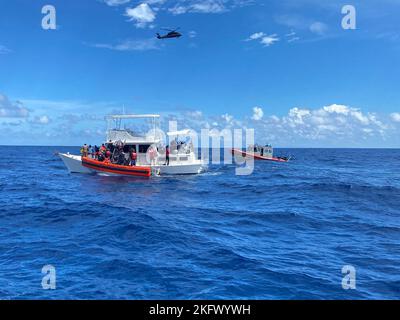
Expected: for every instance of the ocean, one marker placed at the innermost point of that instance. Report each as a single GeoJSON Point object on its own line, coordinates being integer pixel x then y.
{"type": "Point", "coordinates": [284, 232]}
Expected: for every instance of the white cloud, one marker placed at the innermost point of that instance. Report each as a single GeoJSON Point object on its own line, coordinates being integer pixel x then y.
{"type": "Point", "coordinates": [337, 108]}
{"type": "Point", "coordinates": [177, 10]}
{"type": "Point", "coordinates": [41, 120]}
{"type": "Point", "coordinates": [154, 2]}
{"type": "Point", "coordinates": [142, 15]}
{"type": "Point", "coordinates": [256, 36]}
{"type": "Point", "coordinates": [258, 113]}
{"type": "Point", "coordinates": [131, 45]}
{"type": "Point", "coordinates": [269, 40]}
{"type": "Point", "coordinates": [334, 122]}
{"type": "Point", "coordinates": [195, 114]}
{"type": "Point", "coordinates": [10, 109]}
{"type": "Point", "coordinates": [328, 126]}
{"type": "Point", "coordinates": [318, 28]}
{"type": "Point", "coordinates": [208, 6]}
{"type": "Point", "coordinates": [114, 3]}
{"type": "Point", "coordinates": [264, 39]}
{"type": "Point", "coordinates": [395, 116]}
{"type": "Point", "coordinates": [227, 117]}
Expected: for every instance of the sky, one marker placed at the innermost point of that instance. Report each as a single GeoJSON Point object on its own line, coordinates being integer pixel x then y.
{"type": "Point", "coordinates": [286, 68]}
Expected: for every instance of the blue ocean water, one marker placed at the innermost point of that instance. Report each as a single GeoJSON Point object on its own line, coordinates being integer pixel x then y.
{"type": "Point", "coordinates": [284, 232]}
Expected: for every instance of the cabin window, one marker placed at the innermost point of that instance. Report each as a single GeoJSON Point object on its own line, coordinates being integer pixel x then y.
{"type": "Point", "coordinates": [143, 148]}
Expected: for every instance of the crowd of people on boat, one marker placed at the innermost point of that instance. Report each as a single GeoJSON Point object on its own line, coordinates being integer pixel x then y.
{"type": "Point", "coordinates": [110, 153]}
{"type": "Point", "coordinates": [118, 153]}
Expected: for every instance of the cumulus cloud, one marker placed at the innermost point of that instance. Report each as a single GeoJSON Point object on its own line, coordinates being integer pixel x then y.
{"type": "Point", "coordinates": [142, 15]}
{"type": "Point", "coordinates": [331, 125]}
{"type": "Point", "coordinates": [41, 120]}
{"type": "Point", "coordinates": [395, 116]}
{"type": "Point", "coordinates": [10, 109]}
{"type": "Point", "coordinates": [258, 113]}
{"type": "Point", "coordinates": [227, 118]}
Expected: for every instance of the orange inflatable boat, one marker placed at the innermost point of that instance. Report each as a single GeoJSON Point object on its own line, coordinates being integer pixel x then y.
{"type": "Point", "coordinates": [116, 169]}
{"type": "Point", "coordinates": [255, 156]}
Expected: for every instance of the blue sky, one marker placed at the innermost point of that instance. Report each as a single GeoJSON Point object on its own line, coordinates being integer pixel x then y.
{"type": "Point", "coordinates": [286, 68]}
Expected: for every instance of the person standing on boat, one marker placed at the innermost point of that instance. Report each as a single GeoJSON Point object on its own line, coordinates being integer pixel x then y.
{"type": "Point", "coordinates": [96, 152]}
{"type": "Point", "coordinates": [167, 156]}
{"type": "Point", "coordinates": [153, 153]}
{"type": "Point", "coordinates": [90, 151]}
{"type": "Point", "coordinates": [133, 157]}
{"type": "Point", "coordinates": [84, 150]}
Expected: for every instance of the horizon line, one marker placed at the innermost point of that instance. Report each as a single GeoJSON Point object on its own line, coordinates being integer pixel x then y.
{"type": "Point", "coordinates": [78, 146]}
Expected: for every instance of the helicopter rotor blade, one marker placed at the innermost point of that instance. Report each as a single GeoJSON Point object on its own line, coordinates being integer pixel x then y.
{"type": "Point", "coordinates": [171, 29]}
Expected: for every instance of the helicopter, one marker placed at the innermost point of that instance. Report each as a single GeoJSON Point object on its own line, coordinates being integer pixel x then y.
{"type": "Point", "coordinates": [171, 34]}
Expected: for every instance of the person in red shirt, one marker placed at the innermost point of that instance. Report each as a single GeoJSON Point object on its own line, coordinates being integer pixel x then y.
{"type": "Point", "coordinates": [133, 157]}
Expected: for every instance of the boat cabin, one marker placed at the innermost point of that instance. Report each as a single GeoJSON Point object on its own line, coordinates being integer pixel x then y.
{"type": "Point", "coordinates": [180, 144]}
{"type": "Point", "coordinates": [263, 151]}
{"type": "Point", "coordinates": [140, 139]}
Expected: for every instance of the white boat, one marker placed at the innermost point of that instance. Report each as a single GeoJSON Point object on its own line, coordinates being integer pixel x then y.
{"type": "Point", "coordinates": [182, 159]}
{"type": "Point", "coordinates": [73, 163]}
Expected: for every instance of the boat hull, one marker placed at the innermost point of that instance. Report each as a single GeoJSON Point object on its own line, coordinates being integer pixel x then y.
{"type": "Point", "coordinates": [178, 169]}
{"type": "Point", "coordinates": [115, 169]}
{"type": "Point", "coordinates": [74, 163]}
{"type": "Point", "coordinates": [250, 155]}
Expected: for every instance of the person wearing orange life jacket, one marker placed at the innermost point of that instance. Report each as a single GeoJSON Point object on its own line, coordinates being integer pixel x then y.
{"type": "Point", "coordinates": [107, 158]}
{"type": "Point", "coordinates": [133, 156]}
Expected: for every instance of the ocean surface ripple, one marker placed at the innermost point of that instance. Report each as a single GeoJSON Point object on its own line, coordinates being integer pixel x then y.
{"type": "Point", "coordinates": [284, 232]}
